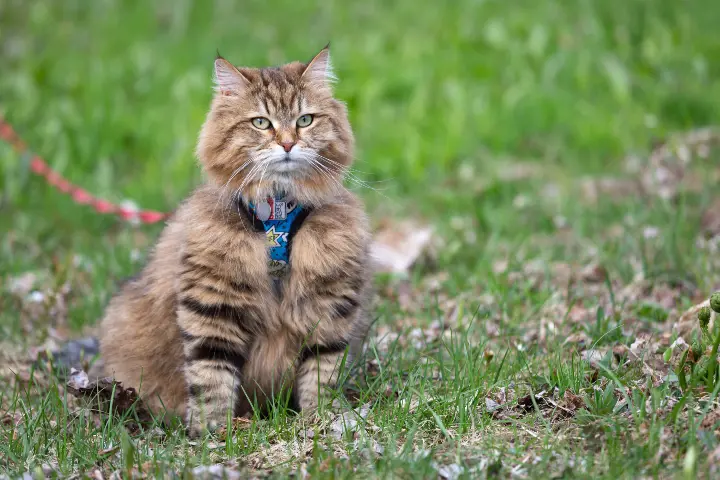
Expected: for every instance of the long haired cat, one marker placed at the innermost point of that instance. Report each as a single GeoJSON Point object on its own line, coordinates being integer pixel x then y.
{"type": "Point", "coordinates": [260, 281]}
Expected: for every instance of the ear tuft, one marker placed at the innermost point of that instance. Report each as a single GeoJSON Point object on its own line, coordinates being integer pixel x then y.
{"type": "Point", "coordinates": [319, 71]}
{"type": "Point", "coordinates": [228, 79]}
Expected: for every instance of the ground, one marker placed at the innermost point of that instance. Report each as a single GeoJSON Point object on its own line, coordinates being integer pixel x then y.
{"type": "Point", "coordinates": [557, 148]}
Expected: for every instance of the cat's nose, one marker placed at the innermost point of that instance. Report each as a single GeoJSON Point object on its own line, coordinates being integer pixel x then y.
{"type": "Point", "coordinates": [287, 145]}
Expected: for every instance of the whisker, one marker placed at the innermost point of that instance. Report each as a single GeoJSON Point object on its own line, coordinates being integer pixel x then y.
{"type": "Point", "coordinates": [234, 174]}
{"type": "Point", "coordinates": [260, 162]}
{"type": "Point", "coordinates": [336, 169]}
{"type": "Point", "coordinates": [237, 202]}
{"type": "Point", "coordinates": [253, 171]}
{"type": "Point", "coordinates": [348, 171]}
{"type": "Point", "coordinates": [345, 167]}
{"type": "Point", "coordinates": [237, 195]}
{"type": "Point", "coordinates": [257, 188]}
{"type": "Point", "coordinates": [329, 173]}
{"type": "Point", "coordinates": [332, 169]}
{"type": "Point", "coordinates": [321, 169]}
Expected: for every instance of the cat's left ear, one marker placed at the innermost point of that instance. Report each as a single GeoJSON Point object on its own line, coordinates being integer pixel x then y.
{"type": "Point", "coordinates": [319, 71]}
{"type": "Point", "coordinates": [228, 79]}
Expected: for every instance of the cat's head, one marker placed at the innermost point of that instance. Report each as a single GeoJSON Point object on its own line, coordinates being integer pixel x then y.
{"type": "Point", "coordinates": [273, 130]}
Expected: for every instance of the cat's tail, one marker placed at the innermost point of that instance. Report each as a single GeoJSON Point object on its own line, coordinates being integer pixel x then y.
{"type": "Point", "coordinates": [81, 354]}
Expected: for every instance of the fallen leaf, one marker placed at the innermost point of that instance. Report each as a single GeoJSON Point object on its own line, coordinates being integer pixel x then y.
{"type": "Point", "coordinates": [711, 421]}
{"type": "Point", "coordinates": [13, 419]}
{"type": "Point", "coordinates": [241, 422]}
{"type": "Point", "coordinates": [449, 472]}
{"type": "Point", "coordinates": [491, 405]}
{"type": "Point", "coordinates": [714, 460]}
{"type": "Point", "coordinates": [593, 356]}
{"type": "Point", "coordinates": [23, 284]}
{"type": "Point", "coordinates": [378, 449]}
{"type": "Point", "coordinates": [108, 451]}
{"type": "Point", "coordinates": [620, 351]}
{"type": "Point", "coordinates": [348, 421]}
{"type": "Point", "coordinates": [581, 339]}
{"type": "Point", "coordinates": [96, 474]}
{"type": "Point", "coordinates": [593, 273]}
{"type": "Point", "coordinates": [105, 392]}
{"type": "Point", "coordinates": [526, 403]}
{"type": "Point", "coordinates": [573, 402]}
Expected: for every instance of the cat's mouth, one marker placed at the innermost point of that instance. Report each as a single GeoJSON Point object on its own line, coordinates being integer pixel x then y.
{"type": "Point", "coordinates": [286, 164]}
{"type": "Point", "coordinates": [286, 167]}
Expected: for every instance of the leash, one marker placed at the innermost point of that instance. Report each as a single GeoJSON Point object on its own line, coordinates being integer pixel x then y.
{"type": "Point", "coordinates": [81, 197]}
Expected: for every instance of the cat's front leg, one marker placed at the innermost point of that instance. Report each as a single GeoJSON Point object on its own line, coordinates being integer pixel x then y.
{"type": "Point", "coordinates": [218, 320]}
{"type": "Point", "coordinates": [326, 297]}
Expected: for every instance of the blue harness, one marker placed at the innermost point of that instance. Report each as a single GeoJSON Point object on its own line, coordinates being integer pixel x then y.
{"type": "Point", "coordinates": [279, 219]}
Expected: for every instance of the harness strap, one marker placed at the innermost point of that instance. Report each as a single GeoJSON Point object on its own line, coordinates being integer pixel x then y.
{"type": "Point", "coordinates": [280, 219]}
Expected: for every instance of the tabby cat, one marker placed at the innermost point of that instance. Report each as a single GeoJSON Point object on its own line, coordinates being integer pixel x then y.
{"type": "Point", "coordinates": [259, 283]}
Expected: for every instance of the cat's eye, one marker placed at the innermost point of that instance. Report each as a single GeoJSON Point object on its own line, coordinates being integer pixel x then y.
{"type": "Point", "coordinates": [261, 123]}
{"type": "Point", "coordinates": [304, 120]}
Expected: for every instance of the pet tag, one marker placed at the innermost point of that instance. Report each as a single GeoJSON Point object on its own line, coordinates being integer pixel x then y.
{"type": "Point", "coordinates": [263, 210]}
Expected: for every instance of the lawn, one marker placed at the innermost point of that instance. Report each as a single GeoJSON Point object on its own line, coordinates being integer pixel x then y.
{"type": "Point", "coordinates": [558, 149]}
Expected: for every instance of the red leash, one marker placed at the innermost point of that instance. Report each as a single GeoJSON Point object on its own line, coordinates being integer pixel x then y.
{"type": "Point", "coordinates": [39, 167]}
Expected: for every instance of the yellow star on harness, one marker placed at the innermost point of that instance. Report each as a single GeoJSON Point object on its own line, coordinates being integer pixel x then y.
{"type": "Point", "coordinates": [273, 237]}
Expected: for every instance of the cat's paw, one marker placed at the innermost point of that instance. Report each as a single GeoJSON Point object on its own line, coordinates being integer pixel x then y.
{"type": "Point", "coordinates": [314, 413]}
{"type": "Point", "coordinates": [310, 415]}
{"type": "Point", "coordinates": [196, 426]}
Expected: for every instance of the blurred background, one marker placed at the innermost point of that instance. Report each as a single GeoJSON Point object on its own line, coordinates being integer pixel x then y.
{"type": "Point", "coordinates": [442, 96]}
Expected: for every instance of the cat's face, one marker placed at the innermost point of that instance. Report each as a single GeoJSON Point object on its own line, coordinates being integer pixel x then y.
{"type": "Point", "coordinates": [277, 129]}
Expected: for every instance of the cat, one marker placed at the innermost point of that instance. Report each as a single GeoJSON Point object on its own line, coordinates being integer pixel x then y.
{"type": "Point", "coordinates": [260, 281]}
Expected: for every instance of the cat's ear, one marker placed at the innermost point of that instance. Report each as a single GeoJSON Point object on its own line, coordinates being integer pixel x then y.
{"type": "Point", "coordinates": [319, 71]}
{"type": "Point", "coordinates": [228, 79]}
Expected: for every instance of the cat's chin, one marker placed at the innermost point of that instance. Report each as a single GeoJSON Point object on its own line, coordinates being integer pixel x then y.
{"type": "Point", "coordinates": [288, 167]}
{"type": "Point", "coordinates": [305, 189]}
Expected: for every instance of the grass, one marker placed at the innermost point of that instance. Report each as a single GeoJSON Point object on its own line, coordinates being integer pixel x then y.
{"type": "Point", "coordinates": [445, 99]}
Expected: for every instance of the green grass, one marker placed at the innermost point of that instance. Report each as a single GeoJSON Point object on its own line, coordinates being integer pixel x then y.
{"type": "Point", "coordinates": [444, 98]}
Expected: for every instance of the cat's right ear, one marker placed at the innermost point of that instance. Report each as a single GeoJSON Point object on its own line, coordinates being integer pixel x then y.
{"type": "Point", "coordinates": [228, 79]}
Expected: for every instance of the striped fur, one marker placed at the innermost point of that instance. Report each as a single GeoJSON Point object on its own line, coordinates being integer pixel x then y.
{"type": "Point", "coordinates": [202, 331]}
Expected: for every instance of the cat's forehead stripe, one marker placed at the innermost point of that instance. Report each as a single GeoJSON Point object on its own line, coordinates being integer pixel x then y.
{"type": "Point", "coordinates": [278, 92]}
{"type": "Point", "coordinates": [266, 107]}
